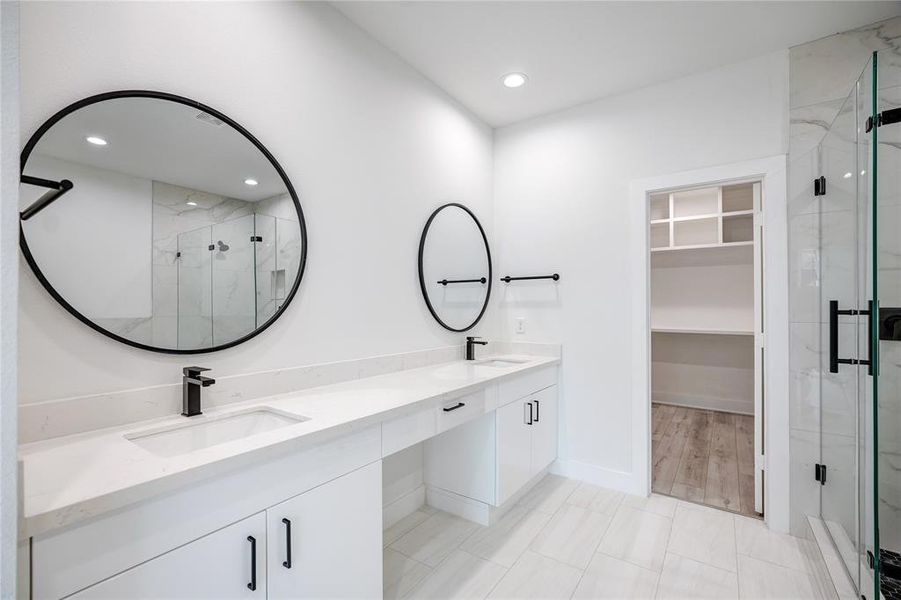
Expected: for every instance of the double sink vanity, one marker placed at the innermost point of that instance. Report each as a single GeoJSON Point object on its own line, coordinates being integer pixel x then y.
{"type": "Point", "coordinates": [282, 496]}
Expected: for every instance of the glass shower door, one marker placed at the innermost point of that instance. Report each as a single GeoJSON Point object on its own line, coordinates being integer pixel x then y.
{"type": "Point", "coordinates": [233, 279]}
{"type": "Point", "coordinates": [195, 317]}
{"type": "Point", "coordinates": [841, 301]}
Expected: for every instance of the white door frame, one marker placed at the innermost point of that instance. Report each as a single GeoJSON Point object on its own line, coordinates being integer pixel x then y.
{"type": "Point", "coordinates": [772, 173]}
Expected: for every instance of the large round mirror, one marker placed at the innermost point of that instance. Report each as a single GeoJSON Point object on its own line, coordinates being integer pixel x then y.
{"type": "Point", "coordinates": [455, 267]}
{"type": "Point", "coordinates": [160, 222]}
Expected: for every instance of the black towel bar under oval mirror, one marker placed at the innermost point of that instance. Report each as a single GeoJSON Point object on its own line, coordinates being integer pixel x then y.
{"type": "Point", "coordinates": [160, 222]}
{"type": "Point", "coordinates": [455, 267]}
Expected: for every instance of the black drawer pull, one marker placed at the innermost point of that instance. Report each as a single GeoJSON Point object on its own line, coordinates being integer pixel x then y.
{"type": "Point", "coordinates": [252, 586]}
{"type": "Point", "coordinates": [454, 407]}
{"type": "Point", "coordinates": [537, 407]}
{"type": "Point", "coordinates": [530, 421]}
{"type": "Point", "coordinates": [287, 563]}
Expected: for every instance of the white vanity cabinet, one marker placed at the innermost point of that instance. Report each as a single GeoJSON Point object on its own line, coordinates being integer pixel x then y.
{"type": "Point", "coordinates": [221, 565]}
{"type": "Point", "coordinates": [335, 541]}
{"type": "Point", "coordinates": [485, 462]}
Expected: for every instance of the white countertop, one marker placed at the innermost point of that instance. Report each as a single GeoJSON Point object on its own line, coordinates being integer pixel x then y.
{"type": "Point", "coordinates": [73, 478]}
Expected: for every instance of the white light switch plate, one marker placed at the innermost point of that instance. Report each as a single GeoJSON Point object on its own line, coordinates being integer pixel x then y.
{"type": "Point", "coordinates": [520, 325]}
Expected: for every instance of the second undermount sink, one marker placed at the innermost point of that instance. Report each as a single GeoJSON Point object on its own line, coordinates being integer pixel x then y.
{"type": "Point", "coordinates": [212, 430]}
{"type": "Point", "coordinates": [501, 362]}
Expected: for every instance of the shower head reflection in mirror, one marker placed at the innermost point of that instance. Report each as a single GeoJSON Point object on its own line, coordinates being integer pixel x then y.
{"type": "Point", "coordinates": [161, 243]}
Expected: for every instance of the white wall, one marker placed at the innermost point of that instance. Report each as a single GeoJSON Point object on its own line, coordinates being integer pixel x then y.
{"type": "Point", "coordinates": [9, 234]}
{"type": "Point", "coordinates": [371, 147]}
{"type": "Point", "coordinates": [561, 205]}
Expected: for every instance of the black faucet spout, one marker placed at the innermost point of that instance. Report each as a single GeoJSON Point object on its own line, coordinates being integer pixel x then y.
{"type": "Point", "coordinates": [471, 343]}
{"type": "Point", "coordinates": [191, 383]}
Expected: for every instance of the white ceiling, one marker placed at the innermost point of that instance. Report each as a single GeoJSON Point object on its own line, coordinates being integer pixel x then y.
{"type": "Point", "coordinates": [574, 52]}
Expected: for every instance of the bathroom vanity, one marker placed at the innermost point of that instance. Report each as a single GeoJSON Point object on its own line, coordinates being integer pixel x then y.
{"type": "Point", "coordinates": [282, 496]}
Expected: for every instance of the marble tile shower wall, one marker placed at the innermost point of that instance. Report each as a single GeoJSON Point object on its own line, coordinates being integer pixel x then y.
{"type": "Point", "coordinates": [821, 236]}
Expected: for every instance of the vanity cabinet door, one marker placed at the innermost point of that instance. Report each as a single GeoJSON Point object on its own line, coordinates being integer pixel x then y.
{"type": "Point", "coordinates": [544, 428]}
{"type": "Point", "coordinates": [514, 448]}
{"type": "Point", "coordinates": [335, 539]}
{"type": "Point", "coordinates": [217, 566]}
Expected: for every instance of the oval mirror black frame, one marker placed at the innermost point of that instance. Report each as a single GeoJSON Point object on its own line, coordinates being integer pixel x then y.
{"type": "Point", "coordinates": [23, 243]}
{"type": "Point", "coordinates": [422, 286]}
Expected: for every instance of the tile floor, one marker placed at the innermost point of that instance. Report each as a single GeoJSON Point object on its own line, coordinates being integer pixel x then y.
{"type": "Point", "coordinates": [567, 539]}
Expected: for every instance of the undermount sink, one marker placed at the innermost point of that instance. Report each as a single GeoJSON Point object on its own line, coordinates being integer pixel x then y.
{"type": "Point", "coordinates": [213, 430]}
{"type": "Point", "coordinates": [500, 362]}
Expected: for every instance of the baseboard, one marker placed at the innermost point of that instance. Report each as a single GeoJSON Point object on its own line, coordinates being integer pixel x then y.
{"type": "Point", "coordinates": [461, 506]}
{"type": "Point", "coordinates": [620, 481]}
{"type": "Point", "coordinates": [404, 506]}
{"type": "Point", "coordinates": [727, 405]}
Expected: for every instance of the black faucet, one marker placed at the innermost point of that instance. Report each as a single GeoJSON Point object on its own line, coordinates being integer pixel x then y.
{"type": "Point", "coordinates": [470, 346]}
{"type": "Point", "coordinates": [190, 390]}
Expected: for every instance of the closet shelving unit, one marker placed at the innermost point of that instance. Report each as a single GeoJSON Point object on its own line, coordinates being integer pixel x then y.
{"type": "Point", "coordinates": [703, 227]}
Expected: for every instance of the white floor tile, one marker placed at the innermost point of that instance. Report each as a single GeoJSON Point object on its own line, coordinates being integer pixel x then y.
{"type": "Point", "coordinates": [684, 578]}
{"type": "Point", "coordinates": [549, 494]}
{"type": "Point", "coordinates": [536, 576]}
{"type": "Point", "coordinates": [754, 539]}
{"type": "Point", "coordinates": [759, 579]}
{"type": "Point", "coordinates": [596, 498]}
{"type": "Point", "coordinates": [505, 541]}
{"type": "Point", "coordinates": [396, 531]}
{"type": "Point", "coordinates": [462, 575]}
{"type": "Point", "coordinates": [434, 539]}
{"type": "Point", "coordinates": [638, 537]}
{"type": "Point", "coordinates": [608, 577]}
{"type": "Point", "coordinates": [572, 535]}
{"type": "Point", "coordinates": [400, 574]}
{"type": "Point", "coordinates": [705, 535]}
{"type": "Point", "coordinates": [655, 503]}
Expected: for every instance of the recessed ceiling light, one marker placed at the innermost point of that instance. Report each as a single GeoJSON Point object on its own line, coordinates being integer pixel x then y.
{"type": "Point", "coordinates": [515, 80]}
{"type": "Point", "coordinates": [191, 203]}
{"type": "Point", "coordinates": [97, 141]}
{"type": "Point", "coordinates": [250, 181]}
{"type": "Point", "coordinates": [847, 175]}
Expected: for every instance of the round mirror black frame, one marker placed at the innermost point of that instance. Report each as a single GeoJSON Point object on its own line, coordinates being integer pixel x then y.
{"type": "Point", "coordinates": [425, 294]}
{"type": "Point", "coordinates": [23, 243]}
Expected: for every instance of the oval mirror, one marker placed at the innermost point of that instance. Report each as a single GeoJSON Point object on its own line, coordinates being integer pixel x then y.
{"type": "Point", "coordinates": [455, 267]}
{"type": "Point", "coordinates": [160, 222]}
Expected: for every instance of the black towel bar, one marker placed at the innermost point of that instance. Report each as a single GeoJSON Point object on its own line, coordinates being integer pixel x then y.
{"type": "Point", "coordinates": [56, 189]}
{"type": "Point", "coordinates": [508, 279]}
{"type": "Point", "coordinates": [447, 281]}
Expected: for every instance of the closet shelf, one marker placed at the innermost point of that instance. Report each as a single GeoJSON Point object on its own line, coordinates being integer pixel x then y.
{"type": "Point", "coordinates": [701, 331]}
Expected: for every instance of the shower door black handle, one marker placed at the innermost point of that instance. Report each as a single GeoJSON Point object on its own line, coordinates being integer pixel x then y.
{"type": "Point", "coordinates": [834, 360]}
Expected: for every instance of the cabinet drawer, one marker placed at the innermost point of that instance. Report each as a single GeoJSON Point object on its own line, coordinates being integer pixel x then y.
{"type": "Point", "coordinates": [459, 410]}
{"type": "Point", "coordinates": [403, 432]}
{"type": "Point", "coordinates": [523, 385]}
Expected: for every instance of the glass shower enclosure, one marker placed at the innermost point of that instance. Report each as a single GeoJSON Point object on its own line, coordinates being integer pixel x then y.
{"type": "Point", "coordinates": [232, 277]}
{"type": "Point", "coordinates": [858, 195]}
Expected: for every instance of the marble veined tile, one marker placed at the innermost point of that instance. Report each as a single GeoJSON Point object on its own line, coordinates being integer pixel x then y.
{"type": "Point", "coordinates": [572, 535]}
{"type": "Point", "coordinates": [684, 578]}
{"type": "Point", "coordinates": [704, 535]}
{"type": "Point", "coordinates": [608, 577]}
{"type": "Point", "coordinates": [462, 575]}
{"type": "Point", "coordinates": [505, 541]}
{"type": "Point", "coordinates": [764, 580]}
{"type": "Point", "coordinates": [400, 574]}
{"type": "Point", "coordinates": [638, 537]}
{"type": "Point", "coordinates": [537, 576]}
{"type": "Point", "coordinates": [435, 538]}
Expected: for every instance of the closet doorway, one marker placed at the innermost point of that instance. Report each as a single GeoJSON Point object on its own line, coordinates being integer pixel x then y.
{"type": "Point", "coordinates": [707, 345]}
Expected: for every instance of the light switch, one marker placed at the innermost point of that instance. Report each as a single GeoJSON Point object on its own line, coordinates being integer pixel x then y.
{"type": "Point", "coordinates": [520, 325]}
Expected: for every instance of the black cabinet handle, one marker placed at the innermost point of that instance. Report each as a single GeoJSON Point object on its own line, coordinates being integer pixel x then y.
{"type": "Point", "coordinates": [252, 586]}
{"type": "Point", "coordinates": [529, 404]}
{"type": "Point", "coordinates": [287, 563]}
{"type": "Point", "coordinates": [537, 409]}
{"type": "Point", "coordinates": [454, 407]}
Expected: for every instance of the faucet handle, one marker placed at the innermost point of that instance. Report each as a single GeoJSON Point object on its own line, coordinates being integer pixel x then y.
{"type": "Point", "coordinates": [194, 371]}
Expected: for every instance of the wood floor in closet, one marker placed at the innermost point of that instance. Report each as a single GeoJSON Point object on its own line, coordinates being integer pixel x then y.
{"type": "Point", "coordinates": [704, 456]}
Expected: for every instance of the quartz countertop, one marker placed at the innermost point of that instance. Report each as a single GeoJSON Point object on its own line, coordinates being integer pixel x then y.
{"type": "Point", "coordinates": [73, 478]}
